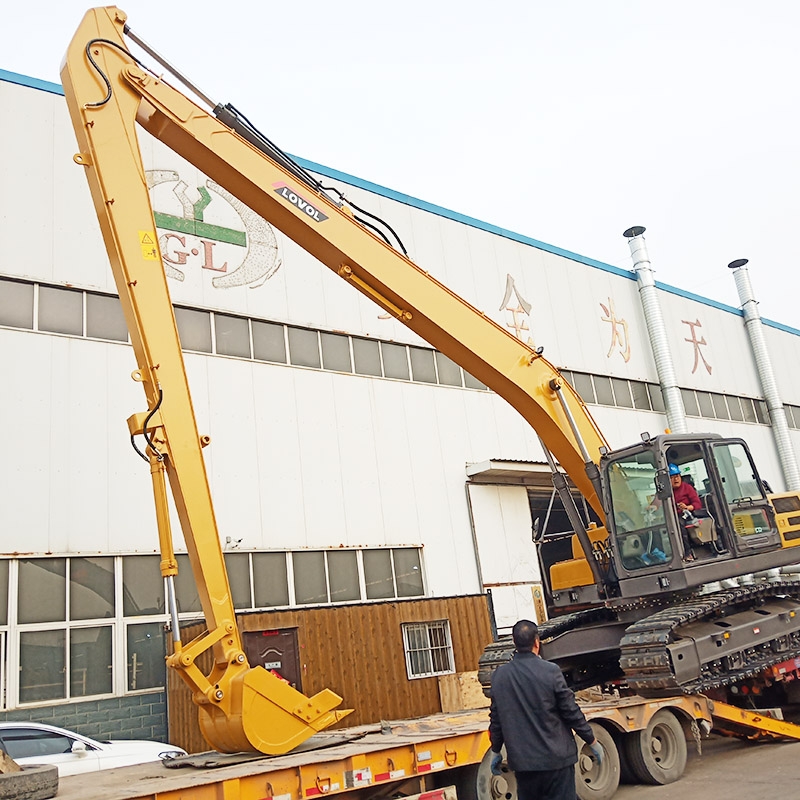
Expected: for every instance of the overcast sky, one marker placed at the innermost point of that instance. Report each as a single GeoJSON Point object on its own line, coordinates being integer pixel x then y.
{"type": "Point", "coordinates": [564, 121]}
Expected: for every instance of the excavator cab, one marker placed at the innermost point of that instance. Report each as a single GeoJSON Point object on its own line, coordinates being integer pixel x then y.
{"type": "Point", "coordinates": [657, 546]}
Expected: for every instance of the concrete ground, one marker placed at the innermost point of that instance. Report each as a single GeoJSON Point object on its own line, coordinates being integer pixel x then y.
{"type": "Point", "coordinates": [730, 769]}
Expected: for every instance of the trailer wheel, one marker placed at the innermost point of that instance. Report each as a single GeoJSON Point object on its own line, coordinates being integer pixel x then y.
{"type": "Point", "coordinates": [657, 755]}
{"type": "Point", "coordinates": [595, 781]}
{"type": "Point", "coordinates": [35, 782]}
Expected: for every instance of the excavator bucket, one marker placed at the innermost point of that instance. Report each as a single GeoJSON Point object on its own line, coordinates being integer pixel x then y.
{"type": "Point", "coordinates": [266, 714]}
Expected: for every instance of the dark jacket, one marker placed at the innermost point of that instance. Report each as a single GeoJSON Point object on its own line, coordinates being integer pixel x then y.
{"type": "Point", "coordinates": [533, 714]}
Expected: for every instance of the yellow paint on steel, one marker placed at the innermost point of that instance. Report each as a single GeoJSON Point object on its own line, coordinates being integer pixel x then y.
{"type": "Point", "coordinates": [243, 709]}
{"type": "Point", "coordinates": [761, 724]}
{"type": "Point", "coordinates": [240, 709]}
{"type": "Point", "coordinates": [490, 353]}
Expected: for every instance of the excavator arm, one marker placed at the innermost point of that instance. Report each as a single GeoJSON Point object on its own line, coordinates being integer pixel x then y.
{"type": "Point", "coordinates": [109, 93]}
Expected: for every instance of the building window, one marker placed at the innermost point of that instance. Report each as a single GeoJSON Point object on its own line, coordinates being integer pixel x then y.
{"type": "Point", "coordinates": [16, 304]}
{"type": "Point", "coordinates": [423, 368]}
{"type": "Point", "coordinates": [367, 357]}
{"type": "Point", "coordinates": [428, 649]}
{"type": "Point", "coordinates": [60, 310]}
{"type": "Point", "coordinates": [269, 343]}
{"type": "Point", "coordinates": [395, 361]}
{"type": "Point", "coordinates": [146, 646]}
{"type": "Point", "coordinates": [104, 318]}
{"type": "Point", "coordinates": [335, 352]}
{"type": "Point", "coordinates": [194, 329]}
{"type": "Point", "coordinates": [232, 335]}
{"type": "Point", "coordinates": [304, 348]}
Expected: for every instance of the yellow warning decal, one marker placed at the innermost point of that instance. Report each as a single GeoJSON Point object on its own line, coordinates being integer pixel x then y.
{"type": "Point", "coordinates": [148, 241]}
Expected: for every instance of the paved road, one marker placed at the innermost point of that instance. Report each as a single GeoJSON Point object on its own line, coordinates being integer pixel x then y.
{"type": "Point", "coordinates": [730, 769]}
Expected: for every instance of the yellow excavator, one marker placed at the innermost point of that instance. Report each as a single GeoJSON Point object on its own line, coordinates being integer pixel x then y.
{"type": "Point", "coordinates": [627, 598]}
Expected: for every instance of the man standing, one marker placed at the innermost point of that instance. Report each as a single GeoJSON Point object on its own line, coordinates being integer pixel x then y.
{"type": "Point", "coordinates": [533, 714]}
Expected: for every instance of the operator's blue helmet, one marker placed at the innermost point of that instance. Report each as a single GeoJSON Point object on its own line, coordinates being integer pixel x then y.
{"type": "Point", "coordinates": [674, 470]}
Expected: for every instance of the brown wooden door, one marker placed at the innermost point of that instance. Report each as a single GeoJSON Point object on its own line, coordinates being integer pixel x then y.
{"type": "Point", "coordinates": [277, 651]}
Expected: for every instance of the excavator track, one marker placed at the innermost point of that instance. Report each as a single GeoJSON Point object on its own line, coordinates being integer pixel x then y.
{"type": "Point", "coordinates": [499, 652]}
{"type": "Point", "coordinates": [712, 641]}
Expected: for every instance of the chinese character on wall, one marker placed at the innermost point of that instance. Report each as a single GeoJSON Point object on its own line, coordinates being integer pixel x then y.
{"type": "Point", "coordinates": [520, 313]}
{"type": "Point", "coordinates": [619, 332]}
{"type": "Point", "coordinates": [696, 343]}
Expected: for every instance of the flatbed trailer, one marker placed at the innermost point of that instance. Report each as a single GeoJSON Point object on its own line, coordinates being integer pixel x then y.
{"type": "Point", "coordinates": [440, 757]}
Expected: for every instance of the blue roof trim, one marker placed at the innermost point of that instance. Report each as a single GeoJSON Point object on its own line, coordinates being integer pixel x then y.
{"type": "Point", "coordinates": [456, 217]}
{"type": "Point", "coordinates": [518, 237]}
{"type": "Point", "coordinates": [33, 83]}
{"type": "Point", "coordinates": [415, 202]}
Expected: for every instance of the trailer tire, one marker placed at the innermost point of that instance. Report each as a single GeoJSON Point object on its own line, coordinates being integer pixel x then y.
{"type": "Point", "coordinates": [657, 754]}
{"type": "Point", "coordinates": [595, 781]}
{"type": "Point", "coordinates": [34, 782]}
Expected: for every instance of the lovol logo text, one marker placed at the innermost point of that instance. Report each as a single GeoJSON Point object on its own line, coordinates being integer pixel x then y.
{"type": "Point", "coordinates": [298, 202]}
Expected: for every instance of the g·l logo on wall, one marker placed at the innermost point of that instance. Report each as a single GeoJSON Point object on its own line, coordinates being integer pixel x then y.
{"type": "Point", "coordinates": [220, 234]}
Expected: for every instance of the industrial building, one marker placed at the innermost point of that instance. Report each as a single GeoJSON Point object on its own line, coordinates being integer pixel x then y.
{"type": "Point", "coordinates": [350, 463]}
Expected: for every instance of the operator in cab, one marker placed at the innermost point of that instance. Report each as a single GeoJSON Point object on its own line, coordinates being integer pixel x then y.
{"type": "Point", "coordinates": [687, 501]}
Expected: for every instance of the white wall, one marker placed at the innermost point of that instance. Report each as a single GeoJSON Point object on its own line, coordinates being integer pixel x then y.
{"type": "Point", "coordinates": [305, 458]}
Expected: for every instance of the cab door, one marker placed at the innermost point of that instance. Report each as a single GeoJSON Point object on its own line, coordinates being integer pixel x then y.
{"type": "Point", "coordinates": [741, 498]}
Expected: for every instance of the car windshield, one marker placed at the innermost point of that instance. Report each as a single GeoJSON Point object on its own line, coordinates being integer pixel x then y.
{"type": "Point", "coordinates": [30, 743]}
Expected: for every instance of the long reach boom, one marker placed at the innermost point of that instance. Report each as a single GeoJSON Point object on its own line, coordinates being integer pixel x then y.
{"type": "Point", "coordinates": [109, 92]}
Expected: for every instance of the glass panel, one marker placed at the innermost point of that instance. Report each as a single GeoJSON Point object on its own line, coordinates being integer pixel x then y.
{"type": "Point", "coordinates": [720, 406]}
{"type": "Point", "coordinates": [583, 386]}
{"type": "Point", "coordinates": [90, 663]}
{"type": "Point", "coordinates": [748, 410]}
{"type": "Point", "coordinates": [104, 318]}
{"type": "Point", "coordinates": [91, 588]}
{"type": "Point", "coordinates": [449, 371]}
{"type": "Point", "coordinates": [734, 408]}
{"type": "Point", "coordinates": [186, 588]}
{"type": "Point", "coordinates": [796, 416]}
{"type": "Point", "coordinates": [422, 366]}
{"type": "Point", "coordinates": [641, 399]}
{"type": "Point", "coordinates": [42, 666]}
{"type": "Point", "coordinates": [270, 581]}
{"type": "Point", "coordinates": [705, 404]}
{"type": "Point", "coordinates": [690, 403]}
{"type": "Point", "coordinates": [194, 329]}
{"type": "Point", "coordinates": [656, 398]}
{"type": "Point", "coordinates": [268, 342]}
{"type": "Point", "coordinates": [378, 574]}
{"type": "Point", "coordinates": [762, 414]}
{"type": "Point", "coordinates": [737, 472]}
{"type": "Point", "coordinates": [622, 393]}
{"type": "Point", "coordinates": [639, 520]}
{"type": "Point", "coordinates": [233, 336]}
{"type": "Point", "coordinates": [472, 382]}
{"type": "Point", "coordinates": [310, 585]}
{"type": "Point", "coordinates": [147, 668]}
{"type": "Point", "coordinates": [335, 352]}
{"type": "Point", "coordinates": [16, 304]}
{"type": "Point", "coordinates": [343, 575]}
{"type": "Point", "coordinates": [395, 361]}
{"type": "Point", "coordinates": [3, 592]}
{"type": "Point", "coordinates": [60, 310]}
{"type": "Point", "coordinates": [42, 590]}
{"type": "Point", "coordinates": [304, 347]}
{"type": "Point", "coordinates": [367, 357]}
{"type": "Point", "coordinates": [407, 572]}
{"type": "Point", "coordinates": [142, 586]}
{"type": "Point", "coordinates": [30, 742]}
{"type": "Point", "coordinates": [237, 566]}
{"type": "Point", "coordinates": [602, 387]}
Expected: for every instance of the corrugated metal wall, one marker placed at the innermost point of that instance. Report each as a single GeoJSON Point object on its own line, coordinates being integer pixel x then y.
{"type": "Point", "coordinates": [356, 651]}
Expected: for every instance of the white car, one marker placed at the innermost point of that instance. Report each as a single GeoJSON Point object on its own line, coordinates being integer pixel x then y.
{"type": "Point", "coordinates": [72, 753]}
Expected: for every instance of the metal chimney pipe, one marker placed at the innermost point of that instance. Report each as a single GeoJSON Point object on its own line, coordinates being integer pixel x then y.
{"type": "Point", "coordinates": [777, 413]}
{"type": "Point", "coordinates": [648, 296]}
